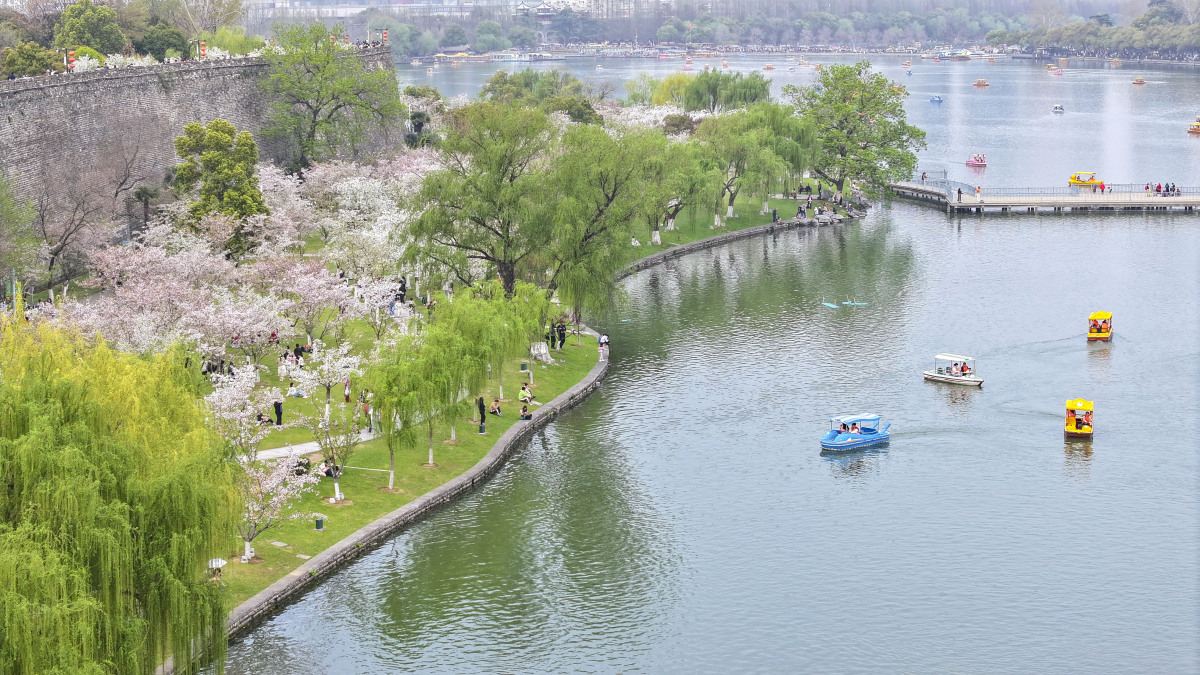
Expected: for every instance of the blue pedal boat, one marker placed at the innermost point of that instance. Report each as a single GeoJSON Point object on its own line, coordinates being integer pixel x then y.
{"type": "Point", "coordinates": [840, 437]}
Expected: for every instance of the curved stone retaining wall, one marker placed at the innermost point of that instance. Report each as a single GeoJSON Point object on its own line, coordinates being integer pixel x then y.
{"type": "Point", "coordinates": [683, 249]}
{"type": "Point", "coordinates": [271, 598]}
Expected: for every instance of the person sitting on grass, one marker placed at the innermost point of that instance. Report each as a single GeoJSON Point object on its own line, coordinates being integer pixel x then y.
{"type": "Point", "coordinates": [526, 396]}
{"type": "Point", "coordinates": [525, 414]}
{"type": "Point", "coordinates": [495, 409]}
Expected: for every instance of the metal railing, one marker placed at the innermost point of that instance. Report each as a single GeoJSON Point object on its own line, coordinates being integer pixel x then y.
{"type": "Point", "coordinates": [935, 180]}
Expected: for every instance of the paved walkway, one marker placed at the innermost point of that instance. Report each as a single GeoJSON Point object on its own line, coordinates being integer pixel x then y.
{"type": "Point", "coordinates": [303, 448]}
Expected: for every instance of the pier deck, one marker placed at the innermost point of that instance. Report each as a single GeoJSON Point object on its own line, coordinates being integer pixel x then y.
{"type": "Point", "coordinates": [1032, 200]}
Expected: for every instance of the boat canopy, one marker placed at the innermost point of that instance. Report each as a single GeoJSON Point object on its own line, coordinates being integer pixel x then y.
{"type": "Point", "coordinates": [856, 419]}
{"type": "Point", "coordinates": [1100, 316]}
{"type": "Point", "coordinates": [1078, 404]}
{"type": "Point", "coordinates": [1085, 173]}
{"type": "Point", "coordinates": [952, 357]}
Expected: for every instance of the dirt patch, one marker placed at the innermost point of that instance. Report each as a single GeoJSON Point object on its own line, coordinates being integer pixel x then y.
{"type": "Point", "coordinates": [344, 502]}
{"type": "Point", "coordinates": [394, 491]}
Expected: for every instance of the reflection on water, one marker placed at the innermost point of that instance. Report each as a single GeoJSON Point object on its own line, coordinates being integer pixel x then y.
{"type": "Point", "coordinates": [854, 467]}
{"type": "Point", "coordinates": [683, 519]}
{"type": "Point", "coordinates": [1077, 457]}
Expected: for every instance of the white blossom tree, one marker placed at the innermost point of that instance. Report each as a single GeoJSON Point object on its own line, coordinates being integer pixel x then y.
{"type": "Point", "coordinates": [235, 404]}
{"type": "Point", "coordinates": [328, 368]}
{"type": "Point", "coordinates": [270, 493]}
{"type": "Point", "coordinates": [338, 436]}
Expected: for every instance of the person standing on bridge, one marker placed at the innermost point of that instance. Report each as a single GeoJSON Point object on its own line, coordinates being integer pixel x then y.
{"type": "Point", "coordinates": [978, 193]}
{"type": "Point", "coordinates": [960, 195]}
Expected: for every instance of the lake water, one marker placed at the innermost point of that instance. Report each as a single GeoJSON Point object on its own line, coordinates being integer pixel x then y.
{"type": "Point", "coordinates": [683, 520]}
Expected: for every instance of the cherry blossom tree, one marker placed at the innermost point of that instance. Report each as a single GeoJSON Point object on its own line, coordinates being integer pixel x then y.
{"type": "Point", "coordinates": [379, 312]}
{"type": "Point", "coordinates": [270, 493]}
{"type": "Point", "coordinates": [320, 301]}
{"type": "Point", "coordinates": [338, 436]}
{"type": "Point", "coordinates": [241, 320]}
{"type": "Point", "coordinates": [328, 368]}
{"type": "Point", "coordinates": [235, 405]}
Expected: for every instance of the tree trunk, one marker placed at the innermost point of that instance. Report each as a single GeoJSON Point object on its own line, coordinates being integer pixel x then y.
{"type": "Point", "coordinates": [508, 276]}
{"type": "Point", "coordinates": [430, 444]}
{"type": "Point", "coordinates": [655, 237]}
{"type": "Point", "coordinates": [246, 550]}
{"type": "Point", "coordinates": [391, 468]}
{"type": "Point", "coordinates": [717, 222]}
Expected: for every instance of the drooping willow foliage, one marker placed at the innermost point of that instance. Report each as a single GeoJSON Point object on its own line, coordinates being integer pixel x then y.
{"type": "Point", "coordinates": [113, 496]}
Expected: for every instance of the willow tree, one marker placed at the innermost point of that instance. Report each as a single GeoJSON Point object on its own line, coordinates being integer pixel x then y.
{"type": "Point", "coordinates": [790, 141]}
{"type": "Point", "coordinates": [115, 494]}
{"type": "Point", "coordinates": [736, 149]}
{"type": "Point", "coordinates": [600, 187]}
{"type": "Point", "coordinates": [487, 205]}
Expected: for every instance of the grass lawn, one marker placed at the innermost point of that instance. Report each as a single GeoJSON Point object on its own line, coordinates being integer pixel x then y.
{"type": "Point", "coordinates": [366, 496]}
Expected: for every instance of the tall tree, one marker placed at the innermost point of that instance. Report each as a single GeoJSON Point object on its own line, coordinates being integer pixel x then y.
{"type": "Point", "coordinates": [599, 185]}
{"type": "Point", "coordinates": [488, 202]}
{"type": "Point", "coordinates": [19, 242]}
{"type": "Point", "coordinates": [324, 97]}
{"type": "Point", "coordinates": [222, 162]}
{"type": "Point", "coordinates": [115, 495]}
{"type": "Point", "coordinates": [859, 117]}
{"type": "Point", "coordinates": [86, 24]}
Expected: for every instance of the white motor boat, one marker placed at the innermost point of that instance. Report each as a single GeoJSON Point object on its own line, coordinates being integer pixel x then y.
{"type": "Point", "coordinates": [954, 369]}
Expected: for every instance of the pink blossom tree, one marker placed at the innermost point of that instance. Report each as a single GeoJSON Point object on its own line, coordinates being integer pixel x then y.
{"type": "Point", "coordinates": [235, 405]}
{"type": "Point", "coordinates": [338, 436]}
{"type": "Point", "coordinates": [241, 320]}
{"type": "Point", "coordinates": [269, 493]}
{"type": "Point", "coordinates": [320, 301]}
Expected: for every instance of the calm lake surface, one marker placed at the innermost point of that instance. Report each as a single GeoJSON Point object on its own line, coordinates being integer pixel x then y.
{"type": "Point", "coordinates": [683, 520]}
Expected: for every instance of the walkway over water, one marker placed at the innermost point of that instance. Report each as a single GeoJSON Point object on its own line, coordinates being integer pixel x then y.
{"type": "Point", "coordinates": [957, 197]}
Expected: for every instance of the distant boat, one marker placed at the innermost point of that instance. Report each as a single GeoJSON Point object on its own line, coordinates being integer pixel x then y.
{"type": "Point", "coordinates": [416, 62]}
{"type": "Point", "coordinates": [980, 83]}
{"type": "Point", "coordinates": [1139, 80]}
{"type": "Point", "coordinates": [908, 72]}
{"type": "Point", "coordinates": [599, 67]}
{"type": "Point", "coordinates": [978, 159]}
{"type": "Point", "coordinates": [935, 99]}
{"type": "Point", "coordinates": [853, 303]}
{"type": "Point", "coordinates": [830, 305]}
{"type": "Point", "coordinates": [429, 71]}
{"type": "Point", "coordinates": [1058, 109]}
{"type": "Point", "coordinates": [768, 67]}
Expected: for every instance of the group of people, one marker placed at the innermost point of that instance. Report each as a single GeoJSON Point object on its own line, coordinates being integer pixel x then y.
{"type": "Point", "coordinates": [1162, 190]}
{"type": "Point", "coordinates": [1101, 326]}
{"type": "Point", "coordinates": [494, 409]}
{"type": "Point", "coordinates": [960, 369]}
{"type": "Point", "coordinates": [556, 334]}
{"type": "Point", "coordinates": [291, 360]}
{"type": "Point", "coordinates": [852, 429]}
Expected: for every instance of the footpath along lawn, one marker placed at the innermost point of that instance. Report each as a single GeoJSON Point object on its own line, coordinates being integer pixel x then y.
{"type": "Point", "coordinates": [366, 492]}
{"type": "Point", "coordinates": [691, 227]}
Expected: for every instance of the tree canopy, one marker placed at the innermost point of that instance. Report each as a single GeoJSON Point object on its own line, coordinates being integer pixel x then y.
{"type": "Point", "coordinates": [31, 59]}
{"type": "Point", "coordinates": [114, 497]}
{"type": "Point", "coordinates": [88, 24]}
{"type": "Point", "coordinates": [324, 97]}
{"type": "Point", "coordinates": [223, 162]}
{"type": "Point", "coordinates": [859, 117]}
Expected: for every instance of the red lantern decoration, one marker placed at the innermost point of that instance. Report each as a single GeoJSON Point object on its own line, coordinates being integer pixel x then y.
{"type": "Point", "coordinates": [71, 60]}
{"type": "Point", "coordinates": [203, 49]}
{"type": "Point", "coordinates": [385, 35]}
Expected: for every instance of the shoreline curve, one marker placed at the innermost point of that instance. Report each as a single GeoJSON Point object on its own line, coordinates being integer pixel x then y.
{"type": "Point", "coordinates": [264, 603]}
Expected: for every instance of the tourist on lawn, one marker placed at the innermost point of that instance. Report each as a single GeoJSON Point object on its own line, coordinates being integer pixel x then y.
{"type": "Point", "coordinates": [495, 408]}
{"type": "Point", "coordinates": [525, 414]}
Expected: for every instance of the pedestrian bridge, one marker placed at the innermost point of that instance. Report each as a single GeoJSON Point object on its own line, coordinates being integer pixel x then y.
{"type": "Point", "coordinates": [956, 197]}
